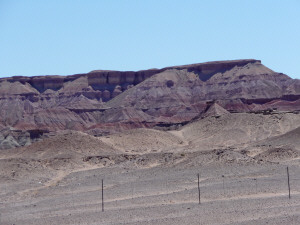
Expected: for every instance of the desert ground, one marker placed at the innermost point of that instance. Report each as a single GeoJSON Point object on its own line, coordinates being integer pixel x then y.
{"type": "Point", "coordinates": [150, 175]}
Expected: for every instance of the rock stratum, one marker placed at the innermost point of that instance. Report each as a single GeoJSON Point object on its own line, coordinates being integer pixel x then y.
{"type": "Point", "coordinates": [102, 102]}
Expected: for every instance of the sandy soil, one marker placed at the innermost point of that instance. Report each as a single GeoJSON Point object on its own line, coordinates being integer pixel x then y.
{"type": "Point", "coordinates": [243, 181]}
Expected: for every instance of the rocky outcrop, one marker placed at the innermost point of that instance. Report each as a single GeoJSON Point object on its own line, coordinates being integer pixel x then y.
{"type": "Point", "coordinates": [108, 101]}
{"type": "Point", "coordinates": [11, 138]}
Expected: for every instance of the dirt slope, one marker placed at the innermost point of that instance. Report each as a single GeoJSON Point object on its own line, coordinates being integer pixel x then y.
{"type": "Point", "coordinates": [144, 141]}
{"type": "Point", "coordinates": [236, 129]}
{"type": "Point", "coordinates": [69, 143]}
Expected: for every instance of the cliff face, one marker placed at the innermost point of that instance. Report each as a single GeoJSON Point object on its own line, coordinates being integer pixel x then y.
{"type": "Point", "coordinates": [108, 101]}
{"type": "Point", "coordinates": [105, 80]}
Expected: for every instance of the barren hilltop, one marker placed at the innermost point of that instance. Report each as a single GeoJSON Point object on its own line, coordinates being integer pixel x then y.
{"type": "Point", "coordinates": [160, 139]}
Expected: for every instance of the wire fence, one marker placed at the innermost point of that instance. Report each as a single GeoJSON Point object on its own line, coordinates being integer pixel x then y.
{"type": "Point", "coordinates": [137, 191]}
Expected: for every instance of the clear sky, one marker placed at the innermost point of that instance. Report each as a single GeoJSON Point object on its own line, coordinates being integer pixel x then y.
{"type": "Point", "coordinates": [61, 37]}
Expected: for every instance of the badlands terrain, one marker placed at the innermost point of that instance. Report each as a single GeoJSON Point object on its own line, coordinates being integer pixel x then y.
{"type": "Point", "coordinates": [147, 135]}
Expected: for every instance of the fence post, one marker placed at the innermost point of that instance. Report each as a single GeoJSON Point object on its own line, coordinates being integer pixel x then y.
{"type": "Point", "coordinates": [102, 198]}
{"type": "Point", "coordinates": [199, 193]}
{"type": "Point", "coordinates": [288, 175]}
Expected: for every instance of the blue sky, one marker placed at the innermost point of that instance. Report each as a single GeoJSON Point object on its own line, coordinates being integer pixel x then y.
{"type": "Point", "coordinates": [62, 37]}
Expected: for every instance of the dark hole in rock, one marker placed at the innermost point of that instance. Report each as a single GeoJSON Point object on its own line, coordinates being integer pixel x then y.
{"type": "Point", "coordinates": [170, 83]}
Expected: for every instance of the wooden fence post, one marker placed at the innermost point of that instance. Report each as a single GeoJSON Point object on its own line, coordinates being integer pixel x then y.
{"type": "Point", "coordinates": [102, 198]}
{"type": "Point", "coordinates": [199, 193]}
{"type": "Point", "coordinates": [288, 175]}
